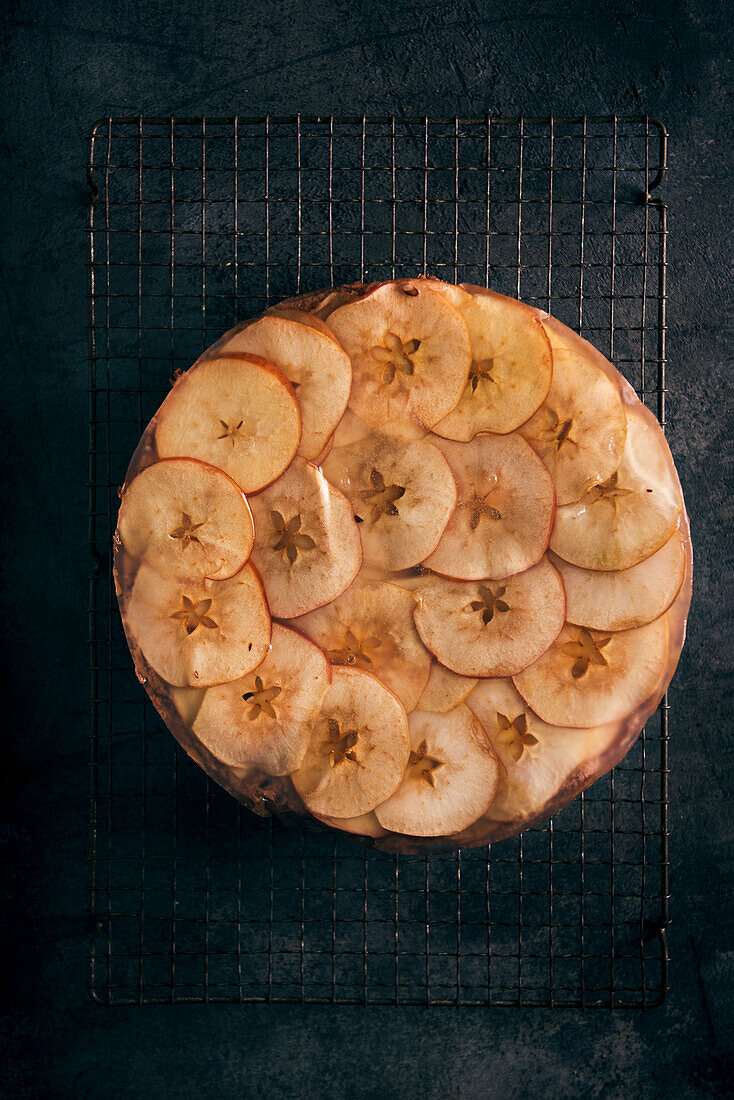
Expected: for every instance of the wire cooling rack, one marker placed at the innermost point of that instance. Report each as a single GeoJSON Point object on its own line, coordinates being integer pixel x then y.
{"type": "Point", "coordinates": [195, 224]}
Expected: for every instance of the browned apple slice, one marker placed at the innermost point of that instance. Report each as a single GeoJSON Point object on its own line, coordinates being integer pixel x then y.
{"type": "Point", "coordinates": [307, 545]}
{"type": "Point", "coordinates": [451, 778]}
{"type": "Point", "coordinates": [359, 747]}
{"type": "Point", "coordinates": [485, 628]}
{"type": "Point", "coordinates": [587, 678]}
{"type": "Point", "coordinates": [364, 825]}
{"type": "Point", "coordinates": [444, 690]}
{"type": "Point", "coordinates": [504, 513]}
{"type": "Point", "coordinates": [238, 413]}
{"type": "Point", "coordinates": [186, 519]}
{"type": "Point", "coordinates": [402, 495]}
{"type": "Point", "coordinates": [579, 431]}
{"type": "Point", "coordinates": [310, 357]}
{"type": "Point", "coordinates": [264, 719]}
{"type": "Point", "coordinates": [371, 627]}
{"type": "Point", "coordinates": [626, 518]}
{"type": "Point", "coordinates": [510, 371]}
{"type": "Point", "coordinates": [537, 757]}
{"type": "Point", "coordinates": [409, 350]}
{"type": "Point", "coordinates": [195, 634]}
{"type": "Point", "coordinates": [624, 598]}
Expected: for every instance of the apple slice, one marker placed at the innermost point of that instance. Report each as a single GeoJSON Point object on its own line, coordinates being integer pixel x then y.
{"type": "Point", "coordinates": [195, 634]}
{"type": "Point", "coordinates": [307, 545]}
{"type": "Point", "coordinates": [538, 758]}
{"type": "Point", "coordinates": [409, 350]}
{"type": "Point", "coordinates": [264, 719]}
{"type": "Point", "coordinates": [186, 519]}
{"type": "Point", "coordinates": [510, 372]}
{"type": "Point", "coordinates": [451, 778]}
{"type": "Point", "coordinates": [371, 627]}
{"type": "Point", "coordinates": [308, 354]}
{"type": "Point", "coordinates": [444, 690]}
{"type": "Point", "coordinates": [485, 628]}
{"type": "Point", "coordinates": [359, 747]}
{"type": "Point", "coordinates": [624, 519]}
{"type": "Point", "coordinates": [579, 431]}
{"type": "Point", "coordinates": [402, 495]}
{"type": "Point", "coordinates": [238, 413]}
{"type": "Point", "coordinates": [625, 598]}
{"type": "Point", "coordinates": [505, 508]}
{"type": "Point", "coordinates": [364, 825]}
{"type": "Point", "coordinates": [587, 678]}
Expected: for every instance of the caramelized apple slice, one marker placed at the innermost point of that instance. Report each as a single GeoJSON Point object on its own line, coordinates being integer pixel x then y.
{"type": "Point", "coordinates": [626, 518]}
{"type": "Point", "coordinates": [587, 678]}
{"type": "Point", "coordinates": [510, 371]}
{"type": "Point", "coordinates": [451, 778]}
{"type": "Point", "coordinates": [238, 413]}
{"type": "Point", "coordinates": [505, 508]}
{"type": "Point", "coordinates": [444, 690]}
{"type": "Point", "coordinates": [307, 545]}
{"type": "Point", "coordinates": [371, 627]}
{"type": "Point", "coordinates": [579, 431]}
{"type": "Point", "coordinates": [625, 598]}
{"type": "Point", "coordinates": [195, 634]}
{"type": "Point", "coordinates": [402, 495]}
{"type": "Point", "coordinates": [538, 758]}
{"type": "Point", "coordinates": [485, 628]}
{"type": "Point", "coordinates": [264, 719]}
{"type": "Point", "coordinates": [359, 747]}
{"type": "Point", "coordinates": [308, 354]}
{"type": "Point", "coordinates": [409, 350]}
{"type": "Point", "coordinates": [186, 519]}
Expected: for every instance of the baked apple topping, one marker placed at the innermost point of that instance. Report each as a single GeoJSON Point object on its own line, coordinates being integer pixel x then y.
{"type": "Point", "coordinates": [408, 559]}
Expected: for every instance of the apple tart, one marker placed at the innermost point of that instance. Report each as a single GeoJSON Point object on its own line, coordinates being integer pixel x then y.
{"type": "Point", "coordinates": [407, 560]}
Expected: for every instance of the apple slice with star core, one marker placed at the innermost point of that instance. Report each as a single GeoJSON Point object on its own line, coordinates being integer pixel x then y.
{"type": "Point", "coordinates": [490, 628]}
{"type": "Point", "coordinates": [195, 634]}
{"type": "Point", "coordinates": [409, 350]}
{"type": "Point", "coordinates": [450, 780]}
{"type": "Point", "coordinates": [504, 512]}
{"type": "Point", "coordinates": [186, 519]}
{"type": "Point", "coordinates": [238, 413]}
{"type": "Point", "coordinates": [264, 719]}
{"type": "Point", "coordinates": [307, 545]}
{"type": "Point", "coordinates": [359, 747]}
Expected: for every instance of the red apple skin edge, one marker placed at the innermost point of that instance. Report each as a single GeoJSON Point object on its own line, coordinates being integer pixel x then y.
{"type": "Point", "coordinates": [266, 795]}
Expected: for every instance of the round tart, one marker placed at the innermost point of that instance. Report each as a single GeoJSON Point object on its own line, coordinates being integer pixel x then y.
{"type": "Point", "coordinates": [407, 560]}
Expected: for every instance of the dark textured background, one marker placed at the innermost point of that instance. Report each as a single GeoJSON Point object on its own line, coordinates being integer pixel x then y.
{"type": "Point", "coordinates": [66, 64]}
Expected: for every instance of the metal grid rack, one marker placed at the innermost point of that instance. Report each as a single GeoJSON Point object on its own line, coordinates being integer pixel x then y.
{"type": "Point", "coordinates": [195, 224]}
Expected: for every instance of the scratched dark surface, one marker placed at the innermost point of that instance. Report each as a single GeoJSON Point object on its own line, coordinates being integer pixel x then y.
{"type": "Point", "coordinates": [66, 64]}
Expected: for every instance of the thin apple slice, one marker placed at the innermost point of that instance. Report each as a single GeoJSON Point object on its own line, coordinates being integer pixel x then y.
{"type": "Point", "coordinates": [196, 634]}
{"type": "Point", "coordinates": [624, 519]}
{"type": "Point", "coordinates": [444, 690]}
{"type": "Point", "coordinates": [186, 519]}
{"type": "Point", "coordinates": [238, 413]}
{"type": "Point", "coordinates": [579, 431]}
{"type": "Point", "coordinates": [307, 545]}
{"type": "Point", "coordinates": [359, 747]}
{"type": "Point", "coordinates": [310, 357]}
{"type": "Point", "coordinates": [624, 598]}
{"type": "Point", "coordinates": [409, 350]}
{"type": "Point", "coordinates": [510, 372]}
{"type": "Point", "coordinates": [264, 719]}
{"type": "Point", "coordinates": [538, 758]}
{"type": "Point", "coordinates": [402, 496]}
{"type": "Point", "coordinates": [482, 628]}
{"type": "Point", "coordinates": [504, 513]}
{"type": "Point", "coordinates": [450, 780]}
{"type": "Point", "coordinates": [371, 627]}
{"type": "Point", "coordinates": [587, 678]}
{"type": "Point", "coordinates": [364, 825]}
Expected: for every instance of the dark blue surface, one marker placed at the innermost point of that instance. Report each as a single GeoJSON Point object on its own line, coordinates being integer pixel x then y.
{"type": "Point", "coordinates": [69, 63]}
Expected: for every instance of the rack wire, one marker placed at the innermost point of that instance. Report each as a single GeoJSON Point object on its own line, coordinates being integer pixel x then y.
{"type": "Point", "coordinates": [195, 224]}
